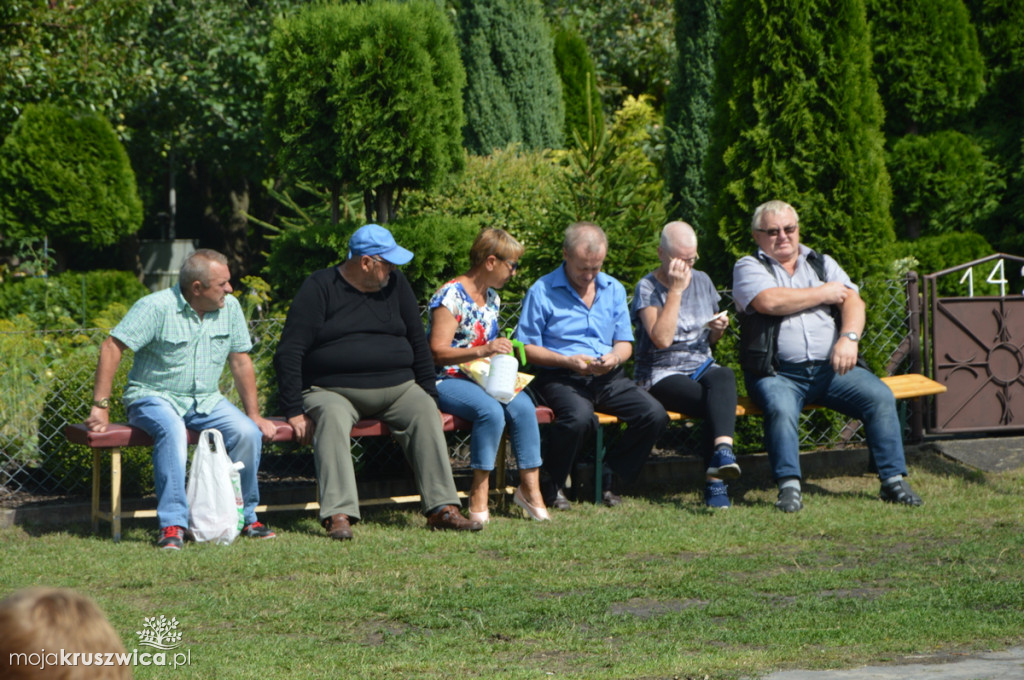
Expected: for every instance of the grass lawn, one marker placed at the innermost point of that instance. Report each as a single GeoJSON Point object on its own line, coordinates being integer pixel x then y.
{"type": "Point", "coordinates": [657, 588]}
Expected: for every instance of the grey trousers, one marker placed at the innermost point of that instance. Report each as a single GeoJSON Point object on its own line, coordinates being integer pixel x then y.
{"type": "Point", "coordinates": [413, 419]}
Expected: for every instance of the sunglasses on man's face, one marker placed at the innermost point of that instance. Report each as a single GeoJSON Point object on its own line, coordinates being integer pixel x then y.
{"type": "Point", "coordinates": [774, 232]}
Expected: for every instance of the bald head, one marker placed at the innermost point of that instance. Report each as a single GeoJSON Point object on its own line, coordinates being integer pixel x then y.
{"type": "Point", "coordinates": [676, 235]}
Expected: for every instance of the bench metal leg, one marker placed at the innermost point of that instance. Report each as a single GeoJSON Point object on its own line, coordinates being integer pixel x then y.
{"type": "Point", "coordinates": [599, 464]}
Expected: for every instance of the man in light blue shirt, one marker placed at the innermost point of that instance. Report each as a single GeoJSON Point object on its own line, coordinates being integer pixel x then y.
{"type": "Point", "coordinates": [181, 338]}
{"type": "Point", "coordinates": [576, 328]}
{"type": "Point", "coordinates": [800, 321]}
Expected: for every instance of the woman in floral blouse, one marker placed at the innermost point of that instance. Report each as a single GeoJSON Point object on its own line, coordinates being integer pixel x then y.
{"type": "Point", "coordinates": [464, 327]}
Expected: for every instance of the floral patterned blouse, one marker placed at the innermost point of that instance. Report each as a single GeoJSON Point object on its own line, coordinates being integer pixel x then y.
{"type": "Point", "coordinates": [476, 325]}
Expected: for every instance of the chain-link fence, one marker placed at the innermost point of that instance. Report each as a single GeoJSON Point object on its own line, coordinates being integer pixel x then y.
{"type": "Point", "coordinates": [48, 376]}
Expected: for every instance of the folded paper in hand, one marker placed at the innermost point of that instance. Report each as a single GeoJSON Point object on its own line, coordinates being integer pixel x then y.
{"type": "Point", "coordinates": [713, 318]}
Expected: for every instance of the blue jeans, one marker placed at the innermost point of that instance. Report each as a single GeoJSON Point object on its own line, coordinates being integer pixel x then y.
{"type": "Point", "coordinates": [858, 394]}
{"type": "Point", "coordinates": [464, 398]}
{"type": "Point", "coordinates": [242, 439]}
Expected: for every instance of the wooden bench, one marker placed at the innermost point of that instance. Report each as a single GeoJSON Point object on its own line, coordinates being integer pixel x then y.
{"type": "Point", "coordinates": [119, 435]}
{"type": "Point", "coordinates": [907, 386]}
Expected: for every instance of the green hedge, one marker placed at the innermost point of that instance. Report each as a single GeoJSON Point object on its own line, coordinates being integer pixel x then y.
{"type": "Point", "coordinates": [70, 299]}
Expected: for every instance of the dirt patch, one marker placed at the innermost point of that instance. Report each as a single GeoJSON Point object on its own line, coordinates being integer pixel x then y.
{"type": "Point", "coordinates": [646, 608]}
{"type": "Point", "coordinates": [854, 593]}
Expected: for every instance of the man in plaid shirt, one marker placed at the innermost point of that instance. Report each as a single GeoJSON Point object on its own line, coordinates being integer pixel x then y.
{"type": "Point", "coordinates": [181, 338]}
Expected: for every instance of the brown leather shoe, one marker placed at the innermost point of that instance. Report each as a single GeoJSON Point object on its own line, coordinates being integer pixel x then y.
{"type": "Point", "coordinates": [338, 527]}
{"type": "Point", "coordinates": [449, 518]}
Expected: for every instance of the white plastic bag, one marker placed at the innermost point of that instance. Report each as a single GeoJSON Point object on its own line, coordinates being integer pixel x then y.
{"type": "Point", "coordinates": [213, 512]}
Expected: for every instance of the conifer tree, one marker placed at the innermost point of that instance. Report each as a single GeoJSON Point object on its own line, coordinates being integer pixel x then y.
{"type": "Point", "coordinates": [513, 93]}
{"type": "Point", "coordinates": [798, 118]}
{"type": "Point", "coordinates": [367, 95]}
{"type": "Point", "coordinates": [689, 112]}
{"type": "Point", "coordinates": [998, 119]}
{"type": "Point", "coordinates": [929, 70]}
{"type": "Point", "coordinates": [66, 176]}
{"type": "Point", "coordinates": [927, 62]}
{"type": "Point", "coordinates": [579, 83]}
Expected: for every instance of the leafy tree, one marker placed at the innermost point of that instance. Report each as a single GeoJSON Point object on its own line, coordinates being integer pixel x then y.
{"type": "Point", "coordinates": [198, 129]}
{"type": "Point", "coordinates": [86, 57]}
{"type": "Point", "coordinates": [927, 61]}
{"type": "Point", "coordinates": [66, 176]}
{"type": "Point", "coordinates": [513, 92]}
{"type": "Point", "coordinates": [368, 95]}
{"type": "Point", "coordinates": [181, 80]}
{"type": "Point", "coordinates": [941, 183]}
{"type": "Point", "coordinates": [579, 82]}
{"type": "Point", "coordinates": [631, 42]}
{"type": "Point", "coordinates": [689, 111]}
{"type": "Point", "coordinates": [798, 118]}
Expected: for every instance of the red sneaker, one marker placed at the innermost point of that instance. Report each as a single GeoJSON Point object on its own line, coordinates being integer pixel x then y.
{"type": "Point", "coordinates": [171, 538]}
{"type": "Point", "coordinates": [257, 530]}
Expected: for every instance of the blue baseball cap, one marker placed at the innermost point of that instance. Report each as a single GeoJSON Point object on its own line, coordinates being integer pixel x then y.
{"type": "Point", "coordinates": [373, 239]}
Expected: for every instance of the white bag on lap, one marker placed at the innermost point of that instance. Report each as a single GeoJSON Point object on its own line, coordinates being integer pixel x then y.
{"type": "Point", "coordinates": [213, 512]}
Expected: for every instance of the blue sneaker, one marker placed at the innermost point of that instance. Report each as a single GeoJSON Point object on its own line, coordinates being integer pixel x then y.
{"type": "Point", "coordinates": [723, 464]}
{"type": "Point", "coordinates": [716, 495]}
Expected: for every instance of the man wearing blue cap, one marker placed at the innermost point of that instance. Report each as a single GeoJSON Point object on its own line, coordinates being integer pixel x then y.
{"type": "Point", "coordinates": [353, 347]}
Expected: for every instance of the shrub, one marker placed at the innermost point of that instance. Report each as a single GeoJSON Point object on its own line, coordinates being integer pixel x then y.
{"type": "Point", "coordinates": [441, 247]}
{"type": "Point", "coordinates": [936, 253]}
{"type": "Point", "coordinates": [78, 298]}
{"type": "Point", "coordinates": [941, 183]}
{"type": "Point", "coordinates": [66, 176]}
{"type": "Point", "coordinates": [25, 370]}
{"type": "Point", "coordinates": [298, 252]}
{"type": "Point", "coordinates": [440, 244]}
{"type": "Point", "coordinates": [511, 189]}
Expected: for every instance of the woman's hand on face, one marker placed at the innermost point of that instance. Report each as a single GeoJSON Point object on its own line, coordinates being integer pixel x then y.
{"type": "Point", "coordinates": [678, 274]}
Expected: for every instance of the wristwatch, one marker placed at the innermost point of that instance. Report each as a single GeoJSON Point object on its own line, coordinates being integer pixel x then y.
{"type": "Point", "coordinates": [102, 403]}
{"type": "Point", "coordinates": [851, 336]}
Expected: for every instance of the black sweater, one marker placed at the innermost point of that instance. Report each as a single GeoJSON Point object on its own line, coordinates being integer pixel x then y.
{"type": "Point", "coordinates": [338, 336]}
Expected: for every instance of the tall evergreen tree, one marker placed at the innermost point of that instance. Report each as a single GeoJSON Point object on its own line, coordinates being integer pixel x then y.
{"type": "Point", "coordinates": [798, 118]}
{"type": "Point", "coordinates": [929, 70]}
{"type": "Point", "coordinates": [998, 119]}
{"type": "Point", "coordinates": [611, 181]}
{"type": "Point", "coordinates": [579, 83]}
{"type": "Point", "coordinates": [368, 95]}
{"type": "Point", "coordinates": [513, 93]}
{"type": "Point", "coordinates": [689, 113]}
{"type": "Point", "coordinates": [927, 62]}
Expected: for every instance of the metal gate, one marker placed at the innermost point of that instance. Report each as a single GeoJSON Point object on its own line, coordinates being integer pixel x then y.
{"type": "Point", "coordinates": [975, 345]}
